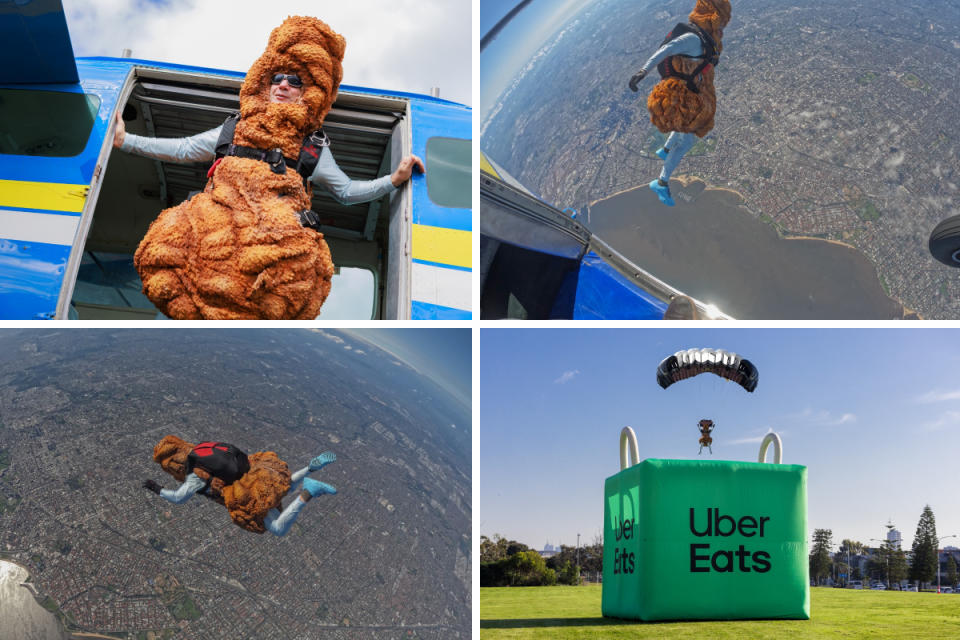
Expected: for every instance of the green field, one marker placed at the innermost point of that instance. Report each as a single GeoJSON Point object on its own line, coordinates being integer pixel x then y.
{"type": "Point", "coordinates": [574, 612]}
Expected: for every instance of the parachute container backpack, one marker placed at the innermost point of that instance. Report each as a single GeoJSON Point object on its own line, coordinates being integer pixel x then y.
{"type": "Point", "coordinates": [705, 539]}
{"type": "Point", "coordinates": [219, 459]}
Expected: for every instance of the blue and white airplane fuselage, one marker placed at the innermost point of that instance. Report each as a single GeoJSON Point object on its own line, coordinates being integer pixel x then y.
{"type": "Point", "coordinates": [73, 208]}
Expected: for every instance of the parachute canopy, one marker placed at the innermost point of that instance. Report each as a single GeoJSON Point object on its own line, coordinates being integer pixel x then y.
{"type": "Point", "coordinates": [693, 362]}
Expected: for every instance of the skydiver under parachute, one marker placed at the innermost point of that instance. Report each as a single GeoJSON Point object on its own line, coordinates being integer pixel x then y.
{"type": "Point", "coordinates": [683, 103]}
{"type": "Point", "coordinates": [692, 362]}
{"type": "Point", "coordinates": [251, 487]}
{"type": "Point", "coordinates": [705, 426]}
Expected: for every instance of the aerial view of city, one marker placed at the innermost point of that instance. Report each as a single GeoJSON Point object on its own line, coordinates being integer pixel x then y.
{"type": "Point", "coordinates": [388, 556]}
{"type": "Point", "coordinates": [834, 123]}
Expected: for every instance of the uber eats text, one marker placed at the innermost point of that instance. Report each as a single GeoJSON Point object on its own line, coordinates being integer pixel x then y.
{"type": "Point", "coordinates": [726, 560]}
{"type": "Point", "coordinates": [702, 558]}
{"type": "Point", "coordinates": [623, 562]}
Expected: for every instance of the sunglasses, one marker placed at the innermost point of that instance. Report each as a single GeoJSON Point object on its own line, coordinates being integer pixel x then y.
{"type": "Point", "coordinates": [293, 80]}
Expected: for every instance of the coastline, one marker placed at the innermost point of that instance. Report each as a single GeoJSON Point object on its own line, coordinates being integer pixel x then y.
{"type": "Point", "coordinates": [57, 616]}
{"type": "Point", "coordinates": [763, 272]}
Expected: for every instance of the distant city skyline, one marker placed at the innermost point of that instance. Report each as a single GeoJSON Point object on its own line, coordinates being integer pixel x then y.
{"type": "Point", "coordinates": [868, 411]}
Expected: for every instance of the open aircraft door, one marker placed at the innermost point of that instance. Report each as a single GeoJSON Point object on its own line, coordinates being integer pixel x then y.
{"type": "Point", "coordinates": [53, 147]}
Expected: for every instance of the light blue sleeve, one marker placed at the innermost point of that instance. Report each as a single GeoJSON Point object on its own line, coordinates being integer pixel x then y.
{"type": "Point", "coordinates": [191, 484]}
{"type": "Point", "coordinates": [198, 148]}
{"type": "Point", "coordinates": [686, 45]}
{"type": "Point", "coordinates": [346, 191]}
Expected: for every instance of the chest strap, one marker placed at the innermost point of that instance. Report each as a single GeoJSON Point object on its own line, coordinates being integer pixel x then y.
{"type": "Point", "coordinates": [305, 163]}
{"type": "Point", "coordinates": [274, 157]}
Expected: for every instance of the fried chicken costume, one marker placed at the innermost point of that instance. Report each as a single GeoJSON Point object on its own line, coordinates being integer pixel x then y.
{"type": "Point", "coordinates": [249, 498]}
{"type": "Point", "coordinates": [672, 105]}
{"type": "Point", "coordinates": [237, 250]}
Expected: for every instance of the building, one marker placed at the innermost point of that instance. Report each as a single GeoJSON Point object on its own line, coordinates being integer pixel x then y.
{"type": "Point", "coordinates": [894, 539]}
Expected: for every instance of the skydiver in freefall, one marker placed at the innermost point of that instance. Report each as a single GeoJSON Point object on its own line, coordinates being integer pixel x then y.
{"type": "Point", "coordinates": [275, 522]}
{"type": "Point", "coordinates": [693, 47]}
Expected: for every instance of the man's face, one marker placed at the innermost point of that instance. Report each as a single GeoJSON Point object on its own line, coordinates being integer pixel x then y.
{"type": "Point", "coordinates": [281, 89]}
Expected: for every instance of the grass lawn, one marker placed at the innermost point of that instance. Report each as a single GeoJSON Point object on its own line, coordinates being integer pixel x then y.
{"type": "Point", "coordinates": [574, 612]}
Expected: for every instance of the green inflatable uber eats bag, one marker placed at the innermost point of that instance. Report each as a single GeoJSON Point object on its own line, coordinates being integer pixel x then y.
{"type": "Point", "coordinates": [703, 539]}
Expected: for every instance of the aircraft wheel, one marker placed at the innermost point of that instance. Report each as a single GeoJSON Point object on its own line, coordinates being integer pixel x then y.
{"type": "Point", "coordinates": [945, 241]}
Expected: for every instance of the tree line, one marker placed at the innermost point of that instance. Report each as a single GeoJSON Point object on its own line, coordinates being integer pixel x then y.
{"type": "Point", "coordinates": [508, 563]}
{"type": "Point", "coordinates": [889, 563]}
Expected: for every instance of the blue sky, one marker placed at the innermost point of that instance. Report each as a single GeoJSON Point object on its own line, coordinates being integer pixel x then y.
{"type": "Point", "coordinates": [517, 43]}
{"type": "Point", "coordinates": [871, 413]}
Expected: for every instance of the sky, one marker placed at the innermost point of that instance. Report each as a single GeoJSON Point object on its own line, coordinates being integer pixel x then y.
{"type": "Point", "coordinates": [491, 11]}
{"type": "Point", "coordinates": [518, 41]}
{"type": "Point", "coordinates": [870, 413]}
{"type": "Point", "coordinates": [406, 45]}
{"type": "Point", "coordinates": [443, 355]}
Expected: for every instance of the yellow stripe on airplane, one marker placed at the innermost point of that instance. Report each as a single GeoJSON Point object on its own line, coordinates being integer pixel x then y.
{"type": "Point", "coordinates": [52, 196]}
{"type": "Point", "coordinates": [443, 246]}
{"type": "Point", "coordinates": [486, 167]}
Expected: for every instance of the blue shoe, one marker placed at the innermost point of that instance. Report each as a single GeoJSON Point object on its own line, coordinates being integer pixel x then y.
{"type": "Point", "coordinates": [322, 460]}
{"type": "Point", "coordinates": [316, 488]}
{"type": "Point", "coordinates": [662, 192]}
{"type": "Point", "coordinates": [662, 153]}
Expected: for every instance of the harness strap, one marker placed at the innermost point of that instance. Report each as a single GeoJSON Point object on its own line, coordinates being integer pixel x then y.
{"type": "Point", "coordinates": [309, 219]}
{"type": "Point", "coordinates": [305, 163]}
{"type": "Point", "coordinates": [708, 58]}
{"type": "Point", "coordinates": [275, 158]}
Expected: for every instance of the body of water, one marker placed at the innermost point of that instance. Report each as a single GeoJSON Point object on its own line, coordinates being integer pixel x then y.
{"type": "Point", "coordinates": [711, 248]}
{"type": "Point", "coordinates": [21, 618]}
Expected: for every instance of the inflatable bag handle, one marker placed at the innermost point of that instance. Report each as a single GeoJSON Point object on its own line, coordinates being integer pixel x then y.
{"type": "Point", "coordinates": [627, 435]}
{"type": "Point", "coordinates": [777, 448]}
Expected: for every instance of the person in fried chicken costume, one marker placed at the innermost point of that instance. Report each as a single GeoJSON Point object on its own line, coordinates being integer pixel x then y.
{"type": "Point", "coordinates": [247, 246]}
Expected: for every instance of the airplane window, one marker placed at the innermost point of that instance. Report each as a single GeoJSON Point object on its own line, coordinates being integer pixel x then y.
{"type": "Point", "coordinates": [352, 294]}
{"type": "Point", "coordinates": [449, 172]}
{"type": "Point", "coordinates": [46, 123]}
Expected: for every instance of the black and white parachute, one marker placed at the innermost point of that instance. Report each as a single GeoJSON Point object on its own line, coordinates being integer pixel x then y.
{"type": "Point", "coordinates": [693, 362]}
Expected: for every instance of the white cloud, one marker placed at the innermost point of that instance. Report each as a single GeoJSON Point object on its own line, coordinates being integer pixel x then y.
{"type": "Point", "coordinates": [939, 395]}
{"type": "Point", "coordinates": [756, 439]}
{"type": "Point", "coordinates": [949, 419]}
{"type": "Point", "coordinates": [823, 417]}
{"type": "Point", "coordinates": [566, 377]}
{"type": "Point", "coordinates": [329, 336]}
{"type": "Point", "coordinates": [406, 45]}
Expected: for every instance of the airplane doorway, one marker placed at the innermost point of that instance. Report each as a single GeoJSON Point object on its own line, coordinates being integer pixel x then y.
{"type": "Point", "coordinates": [366, 135]}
